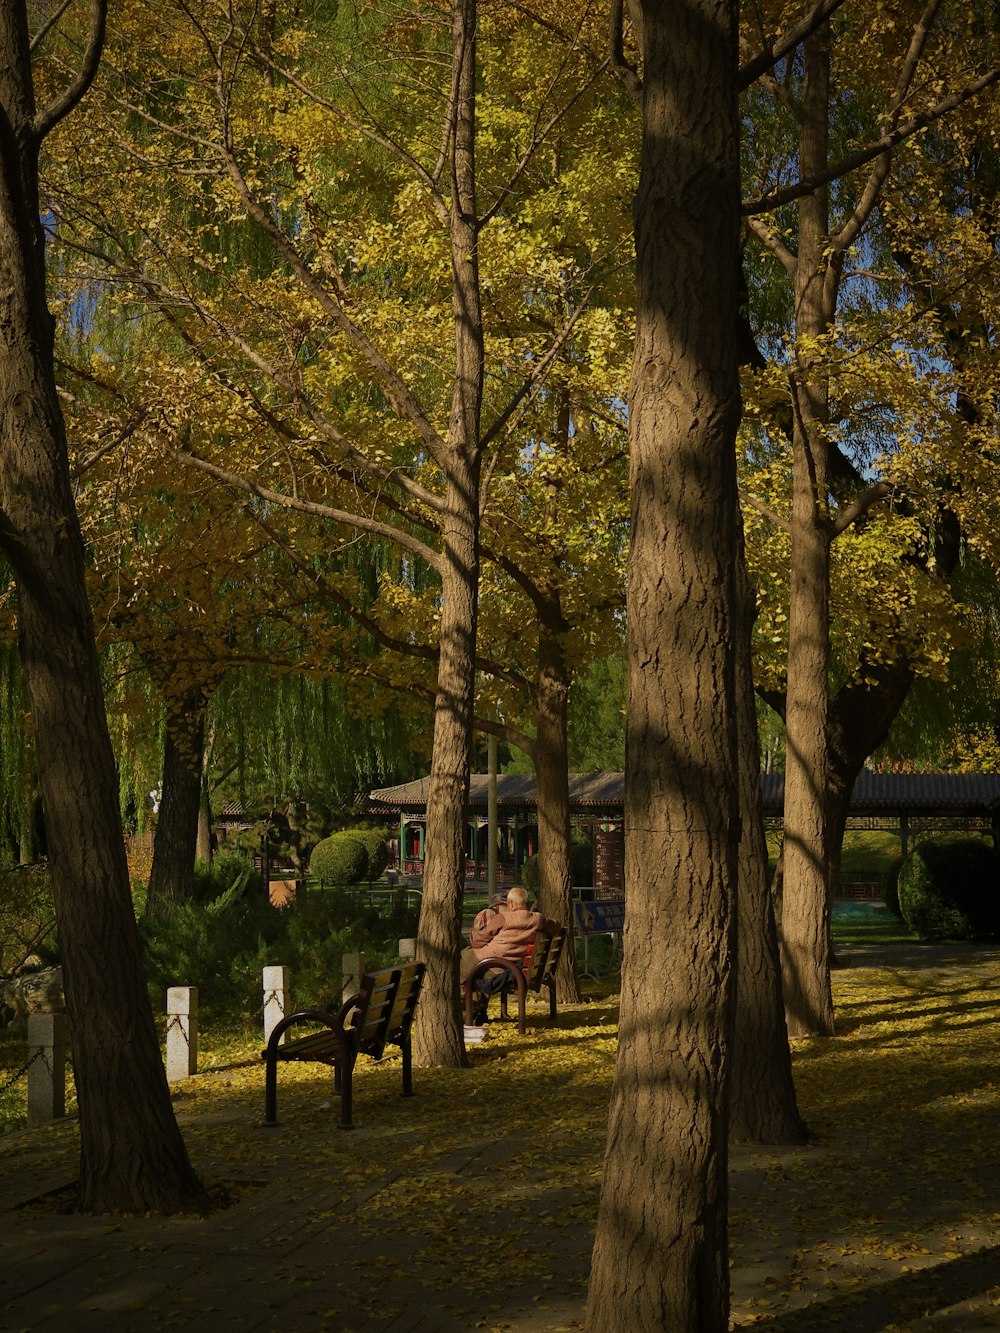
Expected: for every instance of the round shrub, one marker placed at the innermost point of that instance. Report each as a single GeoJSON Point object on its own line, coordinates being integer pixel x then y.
{"type": "Point", "coordinates": [340, 859]}
{"type": "Point", "coordinates": [950, 890]}
{"type": "Point", "coordinates": [375, 844]}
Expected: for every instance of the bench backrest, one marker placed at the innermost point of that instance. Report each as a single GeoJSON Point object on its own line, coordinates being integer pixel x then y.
{"type": "Point", "coordinates": [545, 959]}
{"type": "Point", "coordinates": [385, 1006]}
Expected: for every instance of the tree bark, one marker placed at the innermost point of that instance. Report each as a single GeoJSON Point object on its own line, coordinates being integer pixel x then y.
{"type": "Point", "coordinates": [555, 889]}
{"type": "Point", "coordinates": [437, 1030]}
{"type": "Point", "coordinates": [660, 1257]}
{"type": "Point", "coordinates": [132, 1157]}
{"type": "Point", "coordinates": [171, 878]}
{"type": "Point", "coordinates": [203, 846]}
{"type": "Point", "coordinates": [764, 1108]}
{"type": "Point", "coordinates": [805, 917]}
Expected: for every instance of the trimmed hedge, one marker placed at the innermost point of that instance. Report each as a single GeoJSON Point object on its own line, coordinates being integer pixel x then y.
{"type": "Point", "coordinates": [341, 859]}
{"type": "Point", "coordinates": [375, 844]}
{"type": "Point", "coordinates": [950, 890]}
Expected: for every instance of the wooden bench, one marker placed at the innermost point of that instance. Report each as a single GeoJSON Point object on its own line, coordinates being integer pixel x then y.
{"type": "Point", "coordinates": [538, 970]}
{"type": "Point", "coordinates": [379, 1015]}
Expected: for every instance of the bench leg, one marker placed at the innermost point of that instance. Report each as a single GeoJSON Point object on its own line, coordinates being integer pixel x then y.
{"type": "Point", "coordinates": [270, 1093]}
{"type": "Point", "coordinates": [551, 983]}
{"type": "Point", "coordinates": [346, 1094]}
{"type": "Point", "coordinates": [407, 1068]}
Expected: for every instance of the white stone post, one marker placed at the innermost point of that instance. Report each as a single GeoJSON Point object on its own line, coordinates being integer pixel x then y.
{"type": "Point", "coordinates": [277, 999]}
{"type": "Point", "coordinates": [182, 1032]}
{"type": "Point", "coordinates": [353, 967]}
{"type": "Point", "coordinates": [47, 1071]}
{"type": "Point", "coordinates": [408, 950]}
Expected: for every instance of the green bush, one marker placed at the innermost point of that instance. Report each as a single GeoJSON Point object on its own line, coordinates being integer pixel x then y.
{"type": "Point", "coordinates": [227, 872]}
{"type": "Point", "coordinates": [950, 890]}
{"type": "Point", "coordinates": [341, 859]}
{"type": "Point", "coordinates": [222, 947]}
{"type": "Point", "coordinates": [375, 844]}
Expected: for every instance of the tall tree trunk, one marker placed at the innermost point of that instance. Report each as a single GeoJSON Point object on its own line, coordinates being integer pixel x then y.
{"type": "Point", "coordinates": [805, 916]}
{"type": "Point", "coordinates": [437, 1031]}
{"type": "Point", "coordinates": [764, 1108]}
{"type": "Point", "coordinates": [171, 878]}
{"type": "Point", "coordinates": [555, 895]}
{"type": "Point", "coordinates": [660, 1257]}
{"type": "Point", "coordinates": [132, 1157]}
{"type": "Point", "coordinates": [860, 717]}
{"type": "Point", "coordinates": [203, 846]}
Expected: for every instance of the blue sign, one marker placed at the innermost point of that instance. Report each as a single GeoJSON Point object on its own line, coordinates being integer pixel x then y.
{"type": "Point", "coordinates": [603, 916]}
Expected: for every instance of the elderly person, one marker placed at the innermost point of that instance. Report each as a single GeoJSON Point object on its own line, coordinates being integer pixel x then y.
{"type": "Point", "coordinates": [509, 935]}
{"type": "Point", "coordinates": [481, 927]}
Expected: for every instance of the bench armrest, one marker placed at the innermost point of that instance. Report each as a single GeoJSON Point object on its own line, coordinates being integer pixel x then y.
{"type": "Point", "coordinates": [331, 1021]}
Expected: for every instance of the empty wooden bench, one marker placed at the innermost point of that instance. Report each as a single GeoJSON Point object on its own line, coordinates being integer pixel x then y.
{"type": "Point", "coordinates": [538, 970]}
{"type": "Point", "coordinates": [378, 1016]}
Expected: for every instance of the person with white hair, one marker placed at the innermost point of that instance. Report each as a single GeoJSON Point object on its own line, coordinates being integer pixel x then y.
{"type": "Point", "coordinates": [510, 935]}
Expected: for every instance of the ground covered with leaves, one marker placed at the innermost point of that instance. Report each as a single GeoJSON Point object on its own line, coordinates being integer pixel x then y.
{"type": "Point", "coordinates": [472, 1206]}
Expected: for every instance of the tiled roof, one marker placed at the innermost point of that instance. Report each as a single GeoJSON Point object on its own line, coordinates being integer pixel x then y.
{"type": "Point", "coordinates": [928, 793]}
{"type": "Point", "coordinates": [917, 793]}
{"type": "Point", "coordinates": [514, 791]}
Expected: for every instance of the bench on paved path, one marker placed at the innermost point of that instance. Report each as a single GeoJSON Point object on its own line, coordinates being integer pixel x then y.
{"type": "Point", "coordinates": [538, 970]}
{"type": "Point", "coordinates": [379, 1015]}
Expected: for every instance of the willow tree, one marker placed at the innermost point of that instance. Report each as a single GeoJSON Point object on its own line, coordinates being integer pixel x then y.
{"type": "Point", "coordinates": [132, 1158]}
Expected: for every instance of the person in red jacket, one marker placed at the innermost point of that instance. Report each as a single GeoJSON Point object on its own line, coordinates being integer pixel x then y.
{"type": "Point", "coordinates": [509, 934]}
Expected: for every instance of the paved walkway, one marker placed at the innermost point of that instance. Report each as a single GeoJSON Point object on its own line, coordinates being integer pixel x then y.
{"type": "Point", "coordinates": [433, 1216]}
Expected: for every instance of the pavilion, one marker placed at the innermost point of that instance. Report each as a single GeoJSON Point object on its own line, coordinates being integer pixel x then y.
{"type": "Point", "coordinates": [903, 803]}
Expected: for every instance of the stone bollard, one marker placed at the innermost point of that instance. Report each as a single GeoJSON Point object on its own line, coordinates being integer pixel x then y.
{"type": "Point", "coordinates": [182, 1032]}
{"type": "Point", "coordinates": [408, 950]}
{"type": "Point", "coordinates": [47, 1071]}
{"type": "Point", "coordinates": [277, 999]}
{"type": "Point", "coordinates": [353, 967]}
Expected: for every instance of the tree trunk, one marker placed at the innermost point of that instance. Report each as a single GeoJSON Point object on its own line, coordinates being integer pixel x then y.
{"type": "Point", "coordinates": [132, 1157]}
{"type": "Point", "coordinates": [860, 717]}
{"type": "Point", "coordinates": [555, 895]}
{"type": "Point", "coordinates": [764, 1108]}
{"type": "Point", "coordinates": [171, 879]}
{"type": "Point", "coordinates": [660, 1257]}
{"type": "Point", "coordinates": [805, 916]}
{"type": "Point", "coordinates": [437, 1030]}
{"type": "Point", "coordinates": [203, 846]}
{"type": "Point", "coordinates": [203, 842]}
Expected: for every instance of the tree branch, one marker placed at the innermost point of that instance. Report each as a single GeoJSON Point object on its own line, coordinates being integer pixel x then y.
{"type": "Point", "coordinates": [359, 521]}
{"type": "Point", "coordinates": [768, 202]}
{"type": "Point", "coordinates": [48, 25]}
{"type": "Point", "coordinates": [781, 46]}
{"type": "Point", "coordinates": [622, 70]}
{"type": "Point", "coordinates": [62, 105]}
{"type": "Point", "coordinates": [770, 514]}
{"type": "Point", "coordinates": [860, 506]}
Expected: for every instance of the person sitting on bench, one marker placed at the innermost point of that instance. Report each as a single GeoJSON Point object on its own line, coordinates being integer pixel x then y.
{"type": "Point", "coordinates": [510, 935]}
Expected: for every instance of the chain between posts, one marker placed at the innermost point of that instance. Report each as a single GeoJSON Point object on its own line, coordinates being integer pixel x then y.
{"type": "Point", "coordinates": [6, 1087]}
